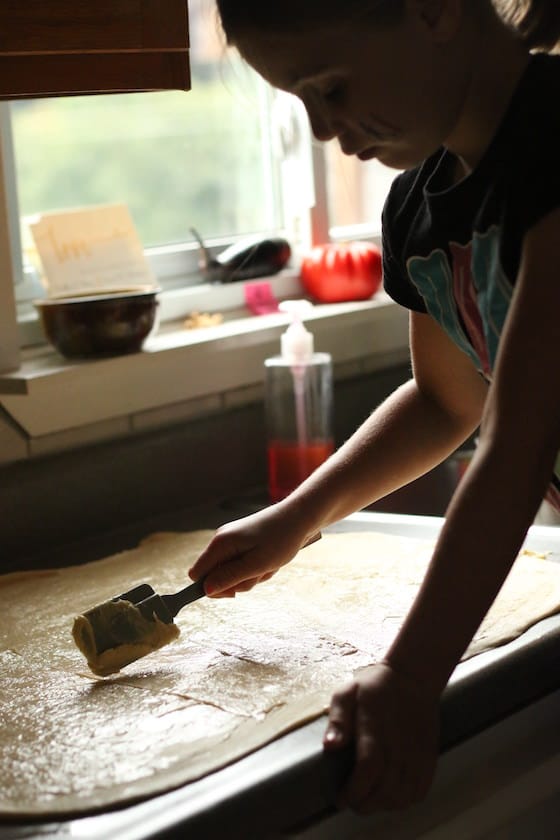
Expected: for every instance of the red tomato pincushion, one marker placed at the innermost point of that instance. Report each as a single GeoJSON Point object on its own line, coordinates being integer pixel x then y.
{"type": "Point", "coordinates": [339, 272]}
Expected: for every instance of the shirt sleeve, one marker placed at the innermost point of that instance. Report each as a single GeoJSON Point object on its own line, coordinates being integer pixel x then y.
{"type": "Point", "coordinates": [395, 280]}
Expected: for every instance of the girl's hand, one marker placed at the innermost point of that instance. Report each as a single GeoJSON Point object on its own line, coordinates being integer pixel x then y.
{"type": "Point", "coordinates": [249, 551]}
{"type": "Point", "coordinates": [393, 724]}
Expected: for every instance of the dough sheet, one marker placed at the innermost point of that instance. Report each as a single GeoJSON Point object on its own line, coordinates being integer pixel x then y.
{"type": "Point", "coordinates": [241, 673]}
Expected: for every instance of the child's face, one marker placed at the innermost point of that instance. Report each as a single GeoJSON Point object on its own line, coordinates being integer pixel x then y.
{"type": "Point", "coordinates": [393, 93]}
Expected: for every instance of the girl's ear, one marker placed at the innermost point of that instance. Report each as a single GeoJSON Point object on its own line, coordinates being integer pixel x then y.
{"type": "Point", "coordinates": [440, 17]}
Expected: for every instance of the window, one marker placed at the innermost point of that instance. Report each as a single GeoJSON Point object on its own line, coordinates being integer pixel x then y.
{"type": "Point", "coordinates": [200, 159]}
{"type": "Point", "coordinates": [177, 159]}
{"type": "Point", "coordinates": [209, 159]}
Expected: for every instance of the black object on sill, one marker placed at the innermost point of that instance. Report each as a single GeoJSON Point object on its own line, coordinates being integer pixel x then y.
{"type": "Point", "coordinates": [250, 258]}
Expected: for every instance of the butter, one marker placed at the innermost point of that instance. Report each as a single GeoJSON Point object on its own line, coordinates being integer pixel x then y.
{"type": "Point", "coordinates": [131, 636]}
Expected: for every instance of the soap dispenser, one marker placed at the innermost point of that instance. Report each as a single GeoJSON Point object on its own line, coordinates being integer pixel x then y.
{"type": "Point", "coordinates": [299, 402]}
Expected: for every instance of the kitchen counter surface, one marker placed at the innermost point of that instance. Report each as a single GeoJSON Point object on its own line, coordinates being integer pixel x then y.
{"type": "Point", "coordinates": [290, 783]}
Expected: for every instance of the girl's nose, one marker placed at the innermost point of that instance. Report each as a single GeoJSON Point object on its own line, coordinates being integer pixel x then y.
{"type": "Point", "coordinates": [322, 129]}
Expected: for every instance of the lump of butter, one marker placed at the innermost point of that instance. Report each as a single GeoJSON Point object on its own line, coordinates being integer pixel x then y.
{"type": "Point", "coordinates": [115, 633]}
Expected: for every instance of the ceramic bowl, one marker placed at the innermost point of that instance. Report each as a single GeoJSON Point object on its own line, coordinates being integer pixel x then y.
{"type": "Point", "coordinates": [99, 325]}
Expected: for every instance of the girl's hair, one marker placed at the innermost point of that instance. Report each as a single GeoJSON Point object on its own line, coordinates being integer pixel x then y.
{"type": "Point", "coordinates": [537, 21]}
{"type": "Point", "coordinates": [286, 15]}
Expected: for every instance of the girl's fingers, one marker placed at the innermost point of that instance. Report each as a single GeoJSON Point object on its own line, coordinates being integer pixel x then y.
{"type": "Point", "coordinates": [239, 574]}
{"type": "Point", "coordinates": [421, 783]}
{"type": "Point", "coordinates": [392, 793]}
{"type": "Point", "coordinates": [340, 727]}
{"type": "Point", "coordinates": [369, 770]}
{"type": "Point", "coordinates": [245, 586]}
{"type": "Point", "coordinates": [371, 767]}
{"type": "Point", "coordinates": [219, 550]}
{"type": "Point", "coordinates": [385, 768]}
{"type": "Point", "coordinates": [407, 784]}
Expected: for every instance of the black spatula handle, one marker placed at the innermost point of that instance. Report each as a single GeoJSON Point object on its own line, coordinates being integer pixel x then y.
{"type": "Point", "coordinates": [190, 593]}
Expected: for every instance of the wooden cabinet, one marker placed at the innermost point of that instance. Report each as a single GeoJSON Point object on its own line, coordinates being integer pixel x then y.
{"type": "Point", "coordinates": [66, 47]}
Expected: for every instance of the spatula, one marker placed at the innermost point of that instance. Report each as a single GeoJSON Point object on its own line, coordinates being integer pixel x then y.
{"type": "Point", "coordinates": [123, 629]}
{"type": "Point", "coordinates": [104, 627]}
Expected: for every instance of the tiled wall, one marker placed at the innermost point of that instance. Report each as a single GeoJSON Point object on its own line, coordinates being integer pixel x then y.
{"type": "Point", "coordinates": [65, 488]}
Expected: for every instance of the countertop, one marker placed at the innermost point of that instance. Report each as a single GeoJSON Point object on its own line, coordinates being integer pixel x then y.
{"type": "Point", "coordinates": [290, 783]}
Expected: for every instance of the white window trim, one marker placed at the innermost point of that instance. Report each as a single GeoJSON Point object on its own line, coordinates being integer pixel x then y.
{"type": "Point", "coordinates": [10, 250]}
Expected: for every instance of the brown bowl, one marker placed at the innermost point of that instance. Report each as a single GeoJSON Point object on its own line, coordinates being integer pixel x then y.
{"type": "Point", "coordinates": [99, 325]}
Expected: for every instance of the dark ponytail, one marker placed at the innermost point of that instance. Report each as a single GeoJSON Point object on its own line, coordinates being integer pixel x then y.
{"type": "Point", "coordinates": [537, 21]}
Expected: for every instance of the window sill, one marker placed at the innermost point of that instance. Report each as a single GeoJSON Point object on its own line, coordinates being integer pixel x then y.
{"type": "Point", "coordinates": [48, 394]}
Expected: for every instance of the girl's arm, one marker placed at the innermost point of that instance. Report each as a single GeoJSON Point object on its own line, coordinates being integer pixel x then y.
{"type": "Point", "coordinates": [497, 500]}
{"type": "Point", "coordinates": [391, 710]}
{"type": "Point", "coordinates": [412, 431]}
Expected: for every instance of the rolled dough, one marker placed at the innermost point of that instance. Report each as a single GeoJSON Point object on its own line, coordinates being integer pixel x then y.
{"type": "Point", "coordinates": [241, 673]}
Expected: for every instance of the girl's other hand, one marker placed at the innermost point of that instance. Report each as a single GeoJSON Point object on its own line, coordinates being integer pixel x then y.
{"type": "Point", "coordinates": [249, 551]}
{"type": "Point", "coordinates": [394, 727]}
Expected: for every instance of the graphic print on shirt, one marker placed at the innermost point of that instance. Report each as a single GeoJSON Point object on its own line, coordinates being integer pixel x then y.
{"type": "Point", "coordinates": [469, 294]}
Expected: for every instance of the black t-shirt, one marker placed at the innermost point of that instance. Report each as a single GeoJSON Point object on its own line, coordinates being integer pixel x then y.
{"type": "Point", "coordinates": [454, 251]}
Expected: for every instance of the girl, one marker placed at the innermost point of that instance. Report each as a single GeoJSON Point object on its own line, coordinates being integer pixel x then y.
{"type": "Point", "coordinates": [452, 92]}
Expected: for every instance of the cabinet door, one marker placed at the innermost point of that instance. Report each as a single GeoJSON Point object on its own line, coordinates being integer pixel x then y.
{"type": "Point", "coordinates": [63, 47]}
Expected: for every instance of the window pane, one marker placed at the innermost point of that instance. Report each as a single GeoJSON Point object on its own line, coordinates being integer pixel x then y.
{"type": "Point", "coordinates": [177, 159]}
{"type": "Point", "coordinates": [356, 190]}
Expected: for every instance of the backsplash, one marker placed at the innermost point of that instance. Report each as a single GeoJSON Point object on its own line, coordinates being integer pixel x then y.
{"type": "Point", "coordinates": [64, 488]}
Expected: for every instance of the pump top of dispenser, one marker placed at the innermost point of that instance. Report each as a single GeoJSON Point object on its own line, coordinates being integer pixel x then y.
{"type": "Point", "coordinates": [297, 342]}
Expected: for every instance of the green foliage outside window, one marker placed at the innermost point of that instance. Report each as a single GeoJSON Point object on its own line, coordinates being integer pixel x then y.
{"type": "Point", "coordinates": [178, 159]}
